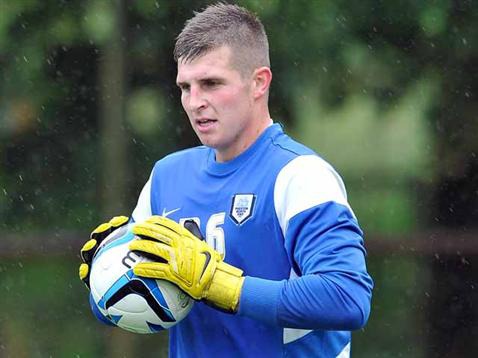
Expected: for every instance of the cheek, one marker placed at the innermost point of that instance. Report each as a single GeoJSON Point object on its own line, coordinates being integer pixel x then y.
{"type": "Point", "coordinates": [232, 101]}
{"type": "Point", "coordinates": [184, 103]}
{"type": "Point", "coordinates": [225, 99]}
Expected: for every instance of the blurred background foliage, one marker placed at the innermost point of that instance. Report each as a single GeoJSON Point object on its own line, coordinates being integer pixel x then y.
{"type": "Point", "coordinates": [384, 90]}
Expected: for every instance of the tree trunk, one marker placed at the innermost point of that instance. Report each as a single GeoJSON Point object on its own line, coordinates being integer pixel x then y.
{"type": "Point", "coordinates": [112, 136]}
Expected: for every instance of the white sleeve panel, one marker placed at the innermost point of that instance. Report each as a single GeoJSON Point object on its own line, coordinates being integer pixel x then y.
{"type": "Point", "coordinates": [143, 207]}
{"type": "Point", "coordinates": [303, 183]}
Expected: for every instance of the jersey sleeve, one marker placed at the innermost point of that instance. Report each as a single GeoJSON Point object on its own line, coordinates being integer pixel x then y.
{"type": "Point", "coordinates": [329, 287]}
{"type": "Point", "coordinates": [142, 211]}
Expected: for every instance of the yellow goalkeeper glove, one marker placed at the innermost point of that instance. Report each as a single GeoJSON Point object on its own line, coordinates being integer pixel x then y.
{"type": "Point", "coordinates": [187, 261]}
{"type": "Point", "coordinates": [96, 237]}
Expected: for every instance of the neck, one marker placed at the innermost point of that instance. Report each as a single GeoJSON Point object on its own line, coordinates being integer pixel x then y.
{"type": "Point", "coordinates": [241, 146]}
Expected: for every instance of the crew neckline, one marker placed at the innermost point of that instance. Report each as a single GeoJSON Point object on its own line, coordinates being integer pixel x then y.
{"type": "Point", "coordinates": [224, 168]}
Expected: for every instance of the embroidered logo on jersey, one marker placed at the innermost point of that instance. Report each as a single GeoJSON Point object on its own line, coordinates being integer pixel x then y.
{"type": "Point", "coordinates": [242, 207]}
{"type": "Point", "coordinates": [166, 213]}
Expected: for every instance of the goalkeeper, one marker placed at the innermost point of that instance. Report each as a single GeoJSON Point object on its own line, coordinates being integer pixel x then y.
{"type": "Point", "coordinates": [252, 224]}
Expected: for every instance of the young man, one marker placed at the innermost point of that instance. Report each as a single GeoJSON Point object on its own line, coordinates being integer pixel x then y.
{"type": "Point", "coordinates": [282, 268]}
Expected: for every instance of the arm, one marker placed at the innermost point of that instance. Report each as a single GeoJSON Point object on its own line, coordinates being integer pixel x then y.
{"type": "Point", "coordinates": [142, 211]}
{"type": "Point", "coordinates": [324, 243]}
{"type": "Point", "coordinates": [333, 291]}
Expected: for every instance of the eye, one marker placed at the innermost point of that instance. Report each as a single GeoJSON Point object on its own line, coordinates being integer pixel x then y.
{"type": "Point", "coordinates": [184, 87]}
{"type": "Point", "coordinates": [211, 83]}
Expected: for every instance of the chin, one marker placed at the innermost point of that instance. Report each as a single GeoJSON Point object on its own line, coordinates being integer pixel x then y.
{"type": "Point", "coordinates": [208, 143]}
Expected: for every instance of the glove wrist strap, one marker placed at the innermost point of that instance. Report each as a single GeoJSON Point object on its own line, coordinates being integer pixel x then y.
{"type": "Point", "coordinates": [225, 289]}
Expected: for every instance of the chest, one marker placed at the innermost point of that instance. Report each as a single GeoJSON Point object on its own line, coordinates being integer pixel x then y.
{"type": "Point", "coordinates": [236, 216]}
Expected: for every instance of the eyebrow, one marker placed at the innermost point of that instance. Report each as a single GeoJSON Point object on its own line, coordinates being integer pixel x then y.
{"type": "Point", "coordinates": [204, 79]}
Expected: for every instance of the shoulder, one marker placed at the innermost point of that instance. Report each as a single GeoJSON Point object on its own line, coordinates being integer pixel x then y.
{"type": "Point", "coordinates": [304, 182]}
{"type": "Point", "coordinates": [300, 163]}
{"type": "Point", "coordinates": [290, 147]}
{"type": "Point", "coordinates": [184, 157]}
{"type": "Point", "coordinates": [281, 151]}
{"type": "Point", "coordinates": [310, 168]}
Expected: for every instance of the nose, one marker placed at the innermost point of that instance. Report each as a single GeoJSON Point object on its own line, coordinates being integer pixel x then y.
{"type": "Point", "coordinates": [196, 102]}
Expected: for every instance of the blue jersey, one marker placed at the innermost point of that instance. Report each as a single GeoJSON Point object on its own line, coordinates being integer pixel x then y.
{"type": "Point", "coordinates": [279, 212]}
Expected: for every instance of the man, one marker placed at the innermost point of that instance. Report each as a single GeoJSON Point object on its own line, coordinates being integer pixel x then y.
{"type": "Point", "coordinates": [282, 268]}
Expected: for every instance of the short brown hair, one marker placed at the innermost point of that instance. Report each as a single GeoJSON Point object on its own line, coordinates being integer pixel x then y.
{"type": "Point", "coordinates": [224, 25]}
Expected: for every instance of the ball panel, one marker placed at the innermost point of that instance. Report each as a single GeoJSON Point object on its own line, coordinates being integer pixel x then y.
{"type": "Point", "coordinates": [137, 304]}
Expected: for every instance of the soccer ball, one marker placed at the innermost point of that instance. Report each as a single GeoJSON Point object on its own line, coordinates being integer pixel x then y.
{"type": "Point", "coordinates": [137, 304]}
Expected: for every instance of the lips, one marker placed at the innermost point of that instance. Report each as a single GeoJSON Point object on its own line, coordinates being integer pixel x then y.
{"type": "Point", "coordinates": [205, 124]}
{"type": "Point", "coordinates": [205, 121]}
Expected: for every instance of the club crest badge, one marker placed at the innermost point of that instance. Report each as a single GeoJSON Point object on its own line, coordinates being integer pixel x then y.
{"type": "Point", "coordinates": [242, 207]}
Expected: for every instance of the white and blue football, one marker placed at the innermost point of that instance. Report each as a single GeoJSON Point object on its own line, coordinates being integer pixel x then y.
{"type": "Point", "coordinates": [137, 304]}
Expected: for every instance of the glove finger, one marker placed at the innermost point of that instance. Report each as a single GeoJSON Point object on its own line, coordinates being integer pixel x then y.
{"type": "Point", "coordinates": [88, 250]}
{"type": "Point", "coordinates": [119, 221]}
{"type": "Point", "coordinates": [156, 232]}
{"type": "Point", "coordinates": [84, 274]}
{"type": "Point", "coordinates": [163, 272]}
{"type": "Point", "coordinates": [152, 270]}
{"type": "Point", "coordinates": [193, 228]}
{"type": "Point", "coordinates": [103, 230]}
{"type": "Point", "coordinates": [154, 248]}
{"type": "Point", "coordinates": [168, 223]}
{"type": "Point", "coordinates": [83, 271]}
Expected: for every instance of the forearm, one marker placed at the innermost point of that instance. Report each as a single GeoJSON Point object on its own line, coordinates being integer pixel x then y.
{"type": "Point", "coordinates": [329, 302]}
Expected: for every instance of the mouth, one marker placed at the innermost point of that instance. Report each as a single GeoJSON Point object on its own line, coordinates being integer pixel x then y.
{"type": "Point", "coordinates": [205, 123]}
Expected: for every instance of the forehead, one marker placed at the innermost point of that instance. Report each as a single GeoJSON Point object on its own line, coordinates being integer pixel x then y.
{"type": "Point", "coordinates": [214, 63]}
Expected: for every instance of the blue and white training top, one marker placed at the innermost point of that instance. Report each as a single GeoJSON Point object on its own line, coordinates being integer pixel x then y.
{"type": "Point", "coordinates": [280, 213]}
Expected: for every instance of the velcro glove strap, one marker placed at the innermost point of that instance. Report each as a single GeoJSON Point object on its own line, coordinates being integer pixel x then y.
{"type": "Point", "coordinates": [225, 289]}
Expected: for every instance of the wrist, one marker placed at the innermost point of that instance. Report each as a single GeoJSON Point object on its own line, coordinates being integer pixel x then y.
{"type": "Point", "coordinates": [225, 289]}
{"type": "Point", "coordinates": [260, 299]}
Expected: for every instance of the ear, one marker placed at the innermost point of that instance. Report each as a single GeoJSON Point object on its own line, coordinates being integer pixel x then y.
{"type": "Point", "coordinates": [261, 81]}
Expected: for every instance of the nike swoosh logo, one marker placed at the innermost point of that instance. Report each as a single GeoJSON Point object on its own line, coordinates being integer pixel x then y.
{"type": "Point", "coordinates": [206, 263]}
{"type": "Point", "coordinates": [166, 213]}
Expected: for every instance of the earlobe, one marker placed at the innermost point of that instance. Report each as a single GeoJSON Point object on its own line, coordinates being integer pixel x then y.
{"type": "Point", "coordinates": [262, 81]}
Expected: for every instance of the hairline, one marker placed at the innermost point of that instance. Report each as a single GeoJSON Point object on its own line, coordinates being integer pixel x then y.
{"type": "Point", "coordinates": [234, 60]}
